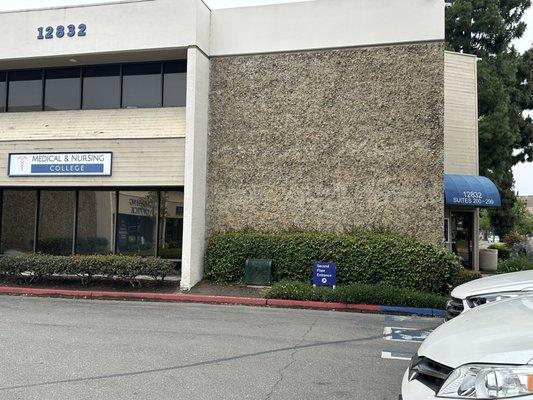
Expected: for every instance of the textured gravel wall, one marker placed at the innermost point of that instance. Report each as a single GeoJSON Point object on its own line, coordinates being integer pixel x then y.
{"type": "Point", "coordinates": [333, 140]}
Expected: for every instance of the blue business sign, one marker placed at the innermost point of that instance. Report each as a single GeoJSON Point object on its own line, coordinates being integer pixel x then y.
{"type": "Point", "coordinates": [324, 273]}
{"type": "Point", "coordinates": [60, 164]}
{"type": "Point", "coordinates": [470, 191]}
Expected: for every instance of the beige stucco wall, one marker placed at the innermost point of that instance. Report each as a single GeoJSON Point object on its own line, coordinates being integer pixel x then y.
{"type": "Point", "coordinates": [148, 145]}
{"type": "Point", "coordinates": [461, 154]}
{"type": "Point", "coordinates": [460, 114]}
{"type": "Point", "coordinates": [330, 140]}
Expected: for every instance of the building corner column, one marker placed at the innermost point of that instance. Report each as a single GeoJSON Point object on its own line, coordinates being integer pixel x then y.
{"type": "Point", "coordinates": [195, 179]}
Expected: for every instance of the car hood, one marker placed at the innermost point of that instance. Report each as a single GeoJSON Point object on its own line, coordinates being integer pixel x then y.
{"type": "Point", "coordinates": [499, 332]}
{"type": "Point", "coordinates": [522, 280]}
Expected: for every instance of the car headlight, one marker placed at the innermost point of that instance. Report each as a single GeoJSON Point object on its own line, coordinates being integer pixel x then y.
{"type": "Point", "coordinates": [481, 299]}
{"type": "Point", "coordinates": [478, 381]}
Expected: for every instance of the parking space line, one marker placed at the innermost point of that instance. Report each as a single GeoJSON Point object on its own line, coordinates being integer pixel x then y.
{"type": "Point", "coordinates": [392, 354]}
{"type": "Point", "coordinates": [411, 335]}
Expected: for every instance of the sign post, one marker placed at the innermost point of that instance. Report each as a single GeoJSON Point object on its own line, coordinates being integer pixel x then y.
{"type": "Point", "coordinates": [324, 273]}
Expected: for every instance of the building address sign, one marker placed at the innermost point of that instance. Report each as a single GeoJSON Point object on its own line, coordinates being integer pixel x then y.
{"type": "Point", "coordinates": [60, 164]}
{"type": "Point", "coordinates": [60, 31]}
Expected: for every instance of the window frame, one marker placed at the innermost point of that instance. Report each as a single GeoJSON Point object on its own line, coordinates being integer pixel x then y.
{"type": "Point", "coordinates": [140, 64]}
{"type": "Point", "coordinates": [44, 71]}
{"type": "Point", "coordinates": [4, 74]}
{"type": "Point", "coordinates": [115, 189]}
{"type": "Point", "coordinates": [45, 82]}
{"type": "Point", "coordinates": [82, 84]}
{"type": "Point", "coordinates": [9, 80]}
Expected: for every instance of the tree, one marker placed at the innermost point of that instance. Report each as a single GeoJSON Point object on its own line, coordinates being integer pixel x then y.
{"type": "Point", "coordinates": [487, 28]}
{"type": "Point", "coordinates": [524, 219]}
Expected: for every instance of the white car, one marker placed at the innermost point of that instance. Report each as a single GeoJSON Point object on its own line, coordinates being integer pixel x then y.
{"type": "Point", "coordinates": [486, 353]}
{"type": "Point", "coordinates": [488, 290]}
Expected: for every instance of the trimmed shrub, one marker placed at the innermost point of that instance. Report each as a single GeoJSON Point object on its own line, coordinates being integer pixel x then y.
{"type": "Point", "coordinates": [356, 294]}
{"type": "Point", "coordinates": [513, 237]}
{"type": "Point", "coordinates": [464, 276]}
{"type": "Point", "coordinates": [504, 250]}
{"type": "Point", "coordinates": [515, 264]}
{"type": "Point", "coordinates": [370, 258]}
{"type": "Point", "coordinates": [86, 266]}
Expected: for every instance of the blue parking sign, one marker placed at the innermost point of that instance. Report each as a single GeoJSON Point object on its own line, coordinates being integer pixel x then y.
{"type": "Point", "coordinates": [324, 273]}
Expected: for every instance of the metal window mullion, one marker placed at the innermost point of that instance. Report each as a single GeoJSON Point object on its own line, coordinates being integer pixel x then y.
{"type": "Point", "coordinates": [162, 84]}
{"type": "Point", "coordinates": [81, 88]}
{"type": "Point", "coordinates": [7, 90]}
{"type": "Point", "coordinates": [75, 231]}
{"type": "Point", "coordinates": [116, 222]}
{"type": "Point", "coordinates": [36, 230]}
{"type": "Point", "coordinates": [157, 211]}
{"type": "Point", "coordinates": [121, 71]}
{"type": "Point", "coordinates": [43, 82]}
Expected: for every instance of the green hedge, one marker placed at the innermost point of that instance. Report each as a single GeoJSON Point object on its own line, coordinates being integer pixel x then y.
{"type": "Point", "coordinates": [370, 258]}
{"type": "Point", "coordinates": [515, 264]}
{"type": "Point", "coordinates": [464, 276]}
{"type": "Point", "coordinates": [86, 266]}
{"type": "Point", "coordinates": [504, 251]}
{"type": "Point", "coordinates": [356, 294]}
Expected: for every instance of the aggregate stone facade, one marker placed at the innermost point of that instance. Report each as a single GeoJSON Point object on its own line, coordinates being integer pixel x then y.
{"type": "Point", "coordinates": [329, 140]}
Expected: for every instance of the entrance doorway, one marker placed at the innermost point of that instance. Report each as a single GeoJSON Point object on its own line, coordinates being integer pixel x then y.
{"type": "Point", "coordinates": [462, 236]}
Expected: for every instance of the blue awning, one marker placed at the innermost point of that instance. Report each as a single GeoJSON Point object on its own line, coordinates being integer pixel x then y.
{"type": "Point", "coordinates": [470, 191]}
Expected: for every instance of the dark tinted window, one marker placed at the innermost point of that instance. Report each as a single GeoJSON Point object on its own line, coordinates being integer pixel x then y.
{"type": "Point", "coordinates": [56, 222]}
{"type": "Point", "coordinates": [62, 89]}
{"type": "Point", "coordinates": [2, 91]}
{"type": "Point", "coordinates": [101, 87]}
{"type": "Point", "coordinates": [141, 85]}
{"type": "Point", "coordinates": [96, 222]}
{"type": "Point", "coordinates": [175, 83]}
{"type": "Point", "coordinates": [18, 221]}
{"type": "Point", "coordinates": [25, 90]}
{"type": "Point", "coordinates": [136, 222]}
{"type": "Point", "coordinates": [170, 224]}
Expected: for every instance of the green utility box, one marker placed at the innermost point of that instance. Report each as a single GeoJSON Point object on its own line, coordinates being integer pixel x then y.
{"type": "Point", "coordinates": [258, 272]}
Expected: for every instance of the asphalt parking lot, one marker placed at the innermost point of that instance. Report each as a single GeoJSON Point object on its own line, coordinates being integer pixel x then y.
{"type": "Point", "coordinates": [89, 349]}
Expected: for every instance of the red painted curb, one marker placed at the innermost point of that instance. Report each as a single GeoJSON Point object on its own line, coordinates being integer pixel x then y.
{"type": "Point", "coordinates": [368, 308]}
{"type": "Point", "coordinates": [305, 304]}
{"type": "Point", "coordinates": [190, 298]}
{"type": "Point", "coordinates": [95, 294]}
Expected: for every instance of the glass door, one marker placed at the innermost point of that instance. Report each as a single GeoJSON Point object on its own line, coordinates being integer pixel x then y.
{"type": "Point", "coordinates": [462, 240]}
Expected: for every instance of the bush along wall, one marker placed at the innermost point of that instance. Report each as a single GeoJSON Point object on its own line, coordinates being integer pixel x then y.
{"type": "Point", "coordinates": [515, 264]}
{"type": "Point", "coordinates": [86, 266]}
{"type": "Point", "coordinates": [369, 258]}
{"type": "Point", "coordinates": [356, 294]}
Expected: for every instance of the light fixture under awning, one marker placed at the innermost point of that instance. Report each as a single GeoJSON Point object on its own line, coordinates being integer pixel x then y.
{"type": "Point", "coordinates": [470, 191]}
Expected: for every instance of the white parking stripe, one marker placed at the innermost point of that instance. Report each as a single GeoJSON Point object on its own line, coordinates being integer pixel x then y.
{"type": "Point", "coordinates": [396, 355]}
{"type": "Point", "coordinates": [411, 335]}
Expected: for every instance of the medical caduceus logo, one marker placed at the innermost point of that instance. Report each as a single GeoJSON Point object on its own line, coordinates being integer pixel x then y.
{"type": "Point", "coordinates": [22, 162]}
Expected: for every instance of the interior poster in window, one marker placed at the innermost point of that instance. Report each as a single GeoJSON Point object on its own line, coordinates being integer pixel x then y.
{"type": "Point", "coordinates": [60, 164]}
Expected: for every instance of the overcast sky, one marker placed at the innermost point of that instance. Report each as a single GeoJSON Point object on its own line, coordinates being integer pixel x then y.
{"type": "Point", "coordinates": [523, 172]}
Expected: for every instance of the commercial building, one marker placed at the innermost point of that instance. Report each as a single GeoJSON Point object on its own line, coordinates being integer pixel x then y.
{"type": "Point", "coordinates": [145, 126]}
